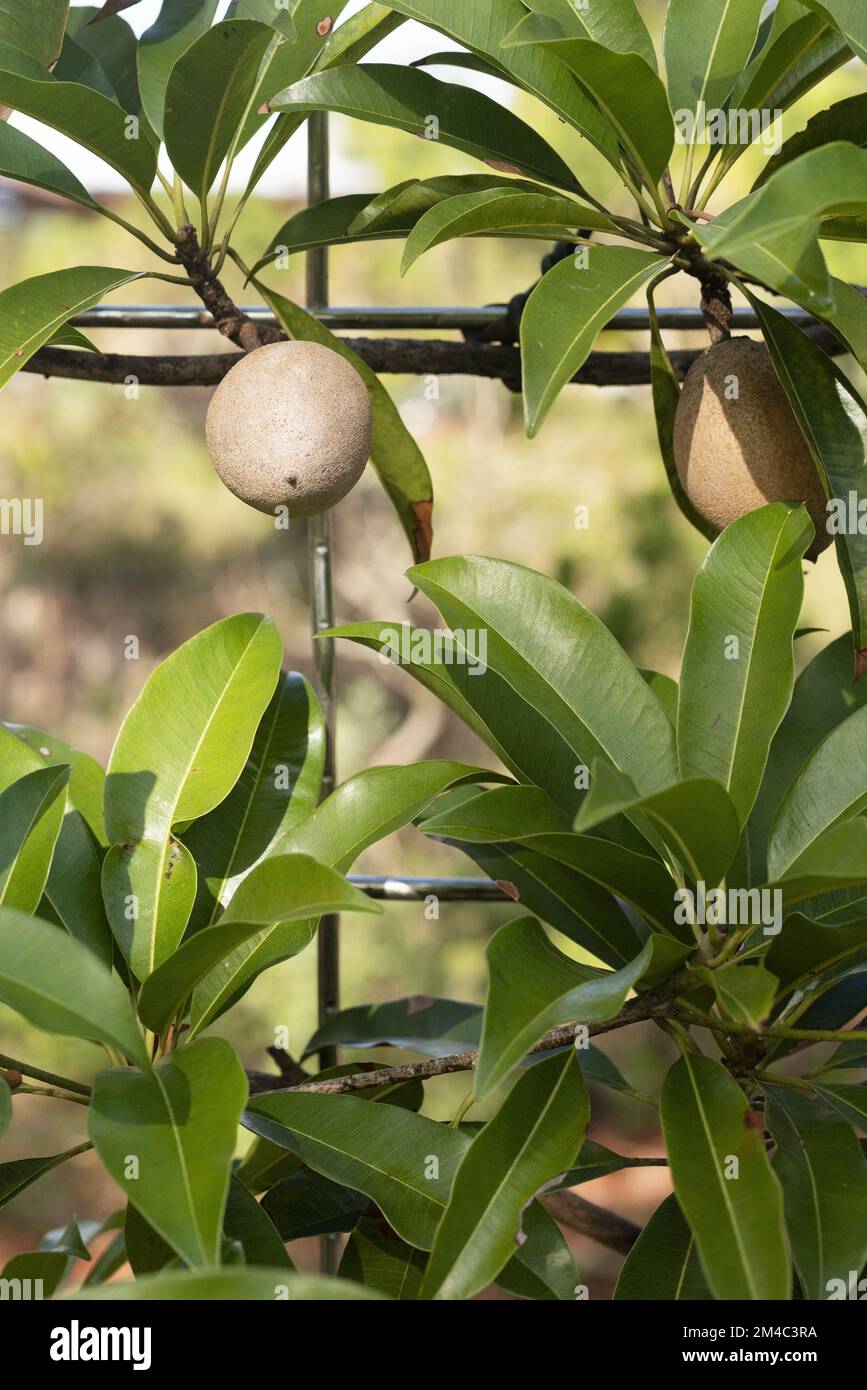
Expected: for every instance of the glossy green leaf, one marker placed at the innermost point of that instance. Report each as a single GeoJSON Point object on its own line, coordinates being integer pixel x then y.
{"type": "Point", "coordinates": [833, 418]}
{"type": "Point", "coordinates": [31, 812]}
{"type": "Point", "coordinates": [665, 689]}
{"type": "Point", "coordinates": [624, 87]}
{"type": "Point", "coordinates": [200, 708]}
{"type": "Point", "coordinates": [433, 1027]}
{"type": "Point", "coordinates": [745, 993]}
{"type": "Point", "coordinates": [361, 811]}
{"type": "Point", "coordinates": [207, 94]}
{"type": "Point", "coordinates": [847, 1056]}
{"type": "Point", "coordinates": [32, 311]}
{"type": "Point", "coordinates": [773, 234]}
{"type": "Point", "coordinates": [531, 1139]}
{"type": "Point", "coordinates": [738, 663]}
{"type": "Point", "coordinates": [543, 1268]}
{"type": "Point", "coordinates": [830, 788]}
{"type": "Point", "coordinates": [533, 987]}
{"type": "Point", "coordinates": [5, 1106]}
{"type": "Point", "coordinates": [21, 1172]}
{"type": "Point", "coordinates": [845, 120]}
{"type": "Point", "coordinates": [84, 115]}
{"type": "Point", "coordinates": [35, 28]}
{"type": "Point", "coordinates": [663, 1265]}
{"type": "Point", "coordinates": [737, 1220]}
{"type": "Point", "coordinates": [497, 212]}
{"type": "Point", "coordinates": [287, 888]}
{"type": "Point", "coordinates": [707, 44]}
{"type": "Point", "coordinates": [280, 17]}
{"type": "Point", "coordinates": [849, 17]}
{"type": "Point", "coordinates": [848, 1101]}
{"type": "Point", "coordinates": [541, 640]}
{"type": "Point", "coordinates": [26, 161]}
{"type": "Point", "coordinates": [112, 44]}
{"type": "Point", "coordinates": [483, 30]}
{"type": "Point", "coordinates": [849, 318]}
{"type": "Point", "coordinates": [824, 696]}
{"type": "Point", "coordinates": [824, 1179]}
{"type": "Point", "coordinates": [304, 1203]}
{"type": "Point", "coordinates": [45, 1269]}
{"type": "Point", "coordinates": [401, 1161]}
{"type": "Point", "coordinates": [397, 459]}
{"type": "Point", "coordinates": [279, 785]}
{"type": "Point", "coordinates": [695, 818]}
{"type": "Point", "coordinates": [179, 24]}
{"type": "Point", "coordinates": [380, 1260]}
{"type": "Point", "coordinates": [565, 312]}
{"type": "Point", "coordinates": [617, 24]}
{"type": "Point", "coordinates": [59, 985]}
{"type": "Point", "coordinates": [804, 948]}
{"type": "Point", "coordinates": [246, 1222]}
{"type": "Point", "coordinates": [87, 779]}
{"type": "Point", "coordinates": [180, 1122]}
{"type": "Point", "coordinates": [238, 1285]}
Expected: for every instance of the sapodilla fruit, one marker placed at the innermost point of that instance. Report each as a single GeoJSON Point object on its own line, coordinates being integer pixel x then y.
{"type": "Point", "coordinates": [290, 425]}
{"type": "Point", "coordinates": [737, 443]}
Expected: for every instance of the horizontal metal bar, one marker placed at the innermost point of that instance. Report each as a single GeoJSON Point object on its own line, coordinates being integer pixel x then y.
{"type": "Point", "coordinates": [457, 318]}
{"type": "Point", "coordinates": [400, 889]}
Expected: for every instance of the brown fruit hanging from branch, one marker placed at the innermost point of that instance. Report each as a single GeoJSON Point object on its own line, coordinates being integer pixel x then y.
{"type": "Point", "coordinates": [737, 443]}
{"type": "Point", "coordinates": [290, 426]}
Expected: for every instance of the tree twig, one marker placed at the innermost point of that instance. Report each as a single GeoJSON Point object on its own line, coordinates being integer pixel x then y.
{"type": "Point", "coordinates": [50, 1077]}
{"type": "Point", "coordinates": [598, 1223]}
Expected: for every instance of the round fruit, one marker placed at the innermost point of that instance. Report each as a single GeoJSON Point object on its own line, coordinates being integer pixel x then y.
{"type": "Point", "coordinates": [290, 426]}
{"type": "Point", "coordinates": [737, 443]}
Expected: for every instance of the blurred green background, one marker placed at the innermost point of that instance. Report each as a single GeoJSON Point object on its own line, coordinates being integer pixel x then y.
{"type": "Point", "coordinates": [142, 539]}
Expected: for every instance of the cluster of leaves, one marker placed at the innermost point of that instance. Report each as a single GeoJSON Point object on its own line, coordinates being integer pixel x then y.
{"type": "Point", "coordinates": [140, 904]}
{"type": "Point", "coordinates": [170, 112]}
{"type": "Point", "coordinates": [596, 68]}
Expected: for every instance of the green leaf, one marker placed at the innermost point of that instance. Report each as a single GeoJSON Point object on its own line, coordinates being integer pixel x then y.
{"type": "Point", "coordinates": [200, 708]}
{"type": "Point", "coordinates": [179, 24]}
{"type": "Point", "coordinates": [35, 28]}
{"type": "Point", "coordinates": [738, 663]}
{"type": "Point", "coordinates": [32, 311]}
{"type": "Point", "coordinates": [380, 1260]}
{"type": "Point", "coordinates": [829, 789]}
{"type": "Point", "coordinates": [824, 1178]}
{"type": "Point", "coordinates": [824, 696]}
{"type": "Point", "coordinates": [59, 985]}
{"type": "Point", "coordinates": [382, 1151]}
{"type": "Point", "coordinates": [532, 1138]}
{"type": "Point", "coordinates": [707, 44]}
{"type": "Point", "coordinates": [362, 810]}
{"type": "Point", "coordinates": [112, 44]}
{"type": "Point", "coordinates": [84, 115]}
{"type": "Point", "coordinates": [695, 818]}
{"type": "Point", "coordinates": [665, 389]}
{"type": "Point", "coordinates": [773, 234]}
{"type": "Point", "coordinates": [399, 463]}
{"type": "Point", "coordinates": [565, 312]}
{"type": "Point", "coordinates": [45, 1268]}
{"type": "Point", "coordinates": [25, 160]}
{"type": "Point", "coordinates": [543, 1268]}
{"type": "Point", "coordinates": [280, 17]}
{"type": "Point", "coordinates": [804, 948]}
{"type": "Point", "coordinates": [433, 1027]}
{"type": "Point", "coordinates": [246, 1222]}
{"type": "Point", "coordinates": [847, 1056]}
{"type": "Point", "coordinates": [849, 318]}
{"type": "Point", "coordinates": [543, 642]}
{"type": "Point", "coordinates": [21, 1172]}
{"type": "Point", "coordinates": [533, 987]}
{"type": "Point", "coordinates": [304, 1203]}
{"type": "Point", "coordinates": [737, 1220]}
{"type": "Point", "coordinates": [624, 87]}
{"type": "Point", "coordinates": [180, 1122]}
{"type": "Point", "coordinates": [31, 812]}
{"type": "Point", "coordinates": [288, 888]}
{"type": "Point", "coordinates": [87, 780]}
{"type": "Point", "coordinates": [845, 120]}
{"type": "Point", "coordinates": [617, 24]}
{"type": "Point", "coordinates": [848, 1101]}
{"type": "Point", "coordinates": [497, 212]}
{"type": "Point", "coordinates": [483, 30]}
{"type": "Point", "coordinates": [233, 1285]}
{"type": "Point", "coordinates": [745, 993]}
{"type": "Point", "coordinates": [663, 1265]}
{"type": "Point", "coordinates": [279, 785]}
{"type": "Point", "coordinates": [207, 94]}
{"type": "Point", "coordinates": [836, 858]}
{"type": "Point", "coordinates": [833, 418]}
{"type": "Point", "coordinates": [849, 17]}
{"type": "Point", "coordinates": [408, 98]}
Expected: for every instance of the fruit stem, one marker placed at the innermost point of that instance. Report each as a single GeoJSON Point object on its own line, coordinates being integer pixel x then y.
{"type": "Point", "coordinates": [231, 321]}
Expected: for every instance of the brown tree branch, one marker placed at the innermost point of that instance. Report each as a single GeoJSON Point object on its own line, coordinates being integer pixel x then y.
{"type": "Point", "coordinates": [655, 1003]}
{"type": "Point", "coordinates": [231, 321]}
{"type": "Point", "coordinates": [598, 1223]}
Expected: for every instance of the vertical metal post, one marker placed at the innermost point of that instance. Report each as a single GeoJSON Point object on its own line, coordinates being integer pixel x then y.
{"type": "Point", "coordinates": [322, 617]}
